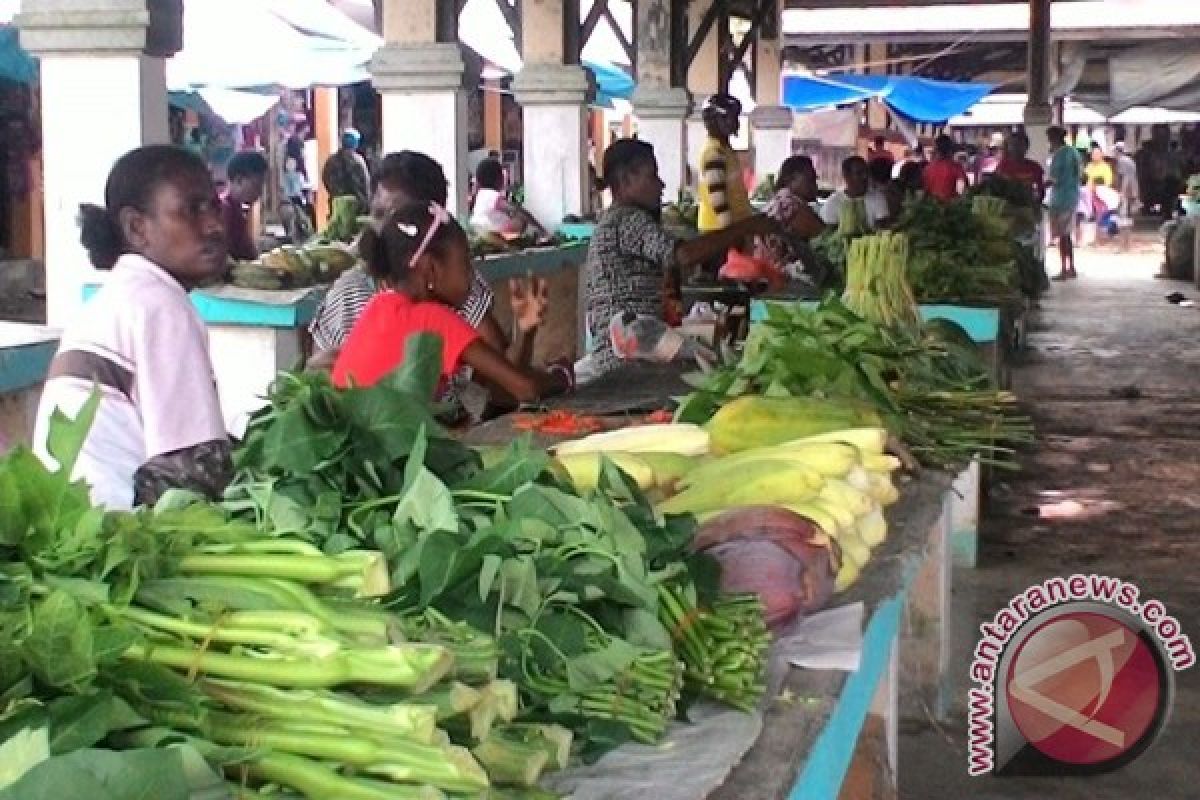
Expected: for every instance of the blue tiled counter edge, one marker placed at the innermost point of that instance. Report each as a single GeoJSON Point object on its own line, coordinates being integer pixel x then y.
{"type": "Point", "coordinates": [23, 366]}
{"type": "Point", "coordinates": [247, 313]}
{"type": "Point", "coordinates": [982, 324]}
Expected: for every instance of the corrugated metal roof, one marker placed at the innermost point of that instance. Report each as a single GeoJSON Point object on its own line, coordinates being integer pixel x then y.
{"type": "Point", "coordinates": [966, 18]}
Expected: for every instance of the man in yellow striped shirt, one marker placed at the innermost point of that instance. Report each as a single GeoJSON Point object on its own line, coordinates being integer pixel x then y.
{"type": "Point", "coordinates": [723, 198]}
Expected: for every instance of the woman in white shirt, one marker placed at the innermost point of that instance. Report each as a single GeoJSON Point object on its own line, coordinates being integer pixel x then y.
{"type": "Point", "coordinates": [139, 341]}
{"type": "Point", "coordinates": [492, 211]}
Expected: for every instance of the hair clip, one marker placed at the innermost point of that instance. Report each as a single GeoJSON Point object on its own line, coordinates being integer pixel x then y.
{"type": "Point", "coordinates": [440, 217]}
{"type": "Point", "coordinates": [407, 230]}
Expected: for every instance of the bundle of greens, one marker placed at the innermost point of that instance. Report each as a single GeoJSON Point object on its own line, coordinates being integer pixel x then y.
{"type": "Point", "coordinates": [876, 285]}
{"type": "Point", "coordinates": [958, 254]}
{"type": "Point", "coordinates": [566, 583]}
{"type": "Point", "coordinates": [928, 384]}
{"type": "Point", "coordinates": [139, 648]}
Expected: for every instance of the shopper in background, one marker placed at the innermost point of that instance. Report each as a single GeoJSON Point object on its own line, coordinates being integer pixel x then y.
{"type": "Point", "coordinates": [491, 209]}
{"type": "Point", "coordinates": [1127, 181]}
{"type": "Point", "coordinates": [139, 342]}
{"type": "Point", "coordinates": [247, 173]}
{"type": "Point", "coordinates": [723, 197]}
{"type": "Point", "coordinates": [346, 173]}
{"type": "Point", "coordinates": [1066, 175]}
{"type": "Point", "coordinates": [880, 152]}
{"type": "Point", "coordinates": [1016, 165]}
{"type": "Point", "coordinates": [944, 177]}
{"type": "Point", "coordinates": [1098, 168]}
{"type": "Point", "coordinates": [884, 200]}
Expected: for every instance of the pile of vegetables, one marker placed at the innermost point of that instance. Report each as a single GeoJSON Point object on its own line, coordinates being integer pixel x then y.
{"type": "Point", "coordinates": [960, 251]}
{"type": "Point", "coordinates": [927, 385]}
{"type": "Point", "coordinates": [290, 267]}
{"type": "Point", "coordinates": [142, 652]}
{"type": "Point", "coordinates": [569, 581]}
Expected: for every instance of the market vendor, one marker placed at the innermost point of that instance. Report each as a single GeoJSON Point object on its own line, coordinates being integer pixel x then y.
{"type": "Point", "coordinates": [631, 252]}
{"type": "Point", "coordinates": [421, 259]}
{"type": "Point", "coordinates": [246, 172]}
{"type": "Point", "coordinates": [139, 341]}
{"type": "Point", "coordinates": [491, 209]}
{"type": "Point", "coordinates": [723, 199]}
{"type": "Point", "coordinates": [404, 178]}
{"type": "Point", "coordinates": [857, 182]}
{"type": "Point", "coordinates": [796, 189]}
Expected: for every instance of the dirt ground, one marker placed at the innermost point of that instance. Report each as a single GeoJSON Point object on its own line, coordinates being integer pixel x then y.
{"type": "Point", "coordinates": [1110, 378]}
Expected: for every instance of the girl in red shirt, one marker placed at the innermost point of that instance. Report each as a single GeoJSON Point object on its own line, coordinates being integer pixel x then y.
{"type": "Point", "coordinates": [422, 260]}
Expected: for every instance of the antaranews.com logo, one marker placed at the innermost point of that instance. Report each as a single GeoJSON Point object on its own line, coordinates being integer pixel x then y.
{"type": "Point", "coordinates": [1074, 676]}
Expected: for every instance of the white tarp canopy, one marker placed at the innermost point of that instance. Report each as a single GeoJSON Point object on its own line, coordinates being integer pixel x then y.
{"type": "Point", "coordinates": [243, 44]}
{"type": "Point", "coordinates": [1008, 110]}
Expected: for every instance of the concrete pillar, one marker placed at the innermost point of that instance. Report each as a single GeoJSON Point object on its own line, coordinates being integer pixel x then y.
{"type": "Point", "coordinates": [100, 60]}
{"type": "Point", "coordinates": [661, 106]}
{"type": "Point", "coordinates": [703, 79]}
{"type": "Point", "coordinates": [770, 122]}
{"type": "Point", "coordinates": [419, 74]}
{"type": "Point", "coordinates": [553, 91]}
{"type": "Point", "coordinates": [1038, 111]}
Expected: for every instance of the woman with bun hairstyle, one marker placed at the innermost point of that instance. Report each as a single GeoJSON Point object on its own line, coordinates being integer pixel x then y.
{"type": "Point", "coordinates": [421, 259]}
{"type": "Point", "coordinates": [139, 341]}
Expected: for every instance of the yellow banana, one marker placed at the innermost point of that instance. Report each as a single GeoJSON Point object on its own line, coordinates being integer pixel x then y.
{"type": "Point", "coordinates": [832, 459]}
{"type": "Point", "coordinates": [881, 462]}
{"type": "Point", "coordinates": [685, 439]}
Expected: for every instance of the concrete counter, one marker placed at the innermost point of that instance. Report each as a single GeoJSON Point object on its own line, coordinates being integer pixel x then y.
{"type": "Point", "coordinates": [25, 354]}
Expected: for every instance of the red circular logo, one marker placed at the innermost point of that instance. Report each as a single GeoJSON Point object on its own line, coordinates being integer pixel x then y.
{"type": "Point", "coordinates": [1084, 688]}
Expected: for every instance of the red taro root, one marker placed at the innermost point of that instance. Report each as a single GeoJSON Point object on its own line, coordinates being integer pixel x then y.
{"type": "Point", "coordinates": [783, 557]}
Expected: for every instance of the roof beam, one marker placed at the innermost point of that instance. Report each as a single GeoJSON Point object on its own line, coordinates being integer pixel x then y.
{"type": "Point", "coordinates": [1104, 35]}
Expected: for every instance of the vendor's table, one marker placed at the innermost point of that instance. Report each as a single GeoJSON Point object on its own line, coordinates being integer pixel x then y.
{"type": "Point", "coordinates": [253, 335]}
{"type": "Point", "coordinates": [25, 353]}
{"type": "Point", "coordinates": [805, 747]}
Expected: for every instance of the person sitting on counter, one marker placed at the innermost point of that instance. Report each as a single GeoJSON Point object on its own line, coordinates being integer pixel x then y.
{"type": "Point", "coordinates": [247, 172]}
{"type": "Point", "coordinates": [631, 252]}
{"type": "Point", "coordinates": [421, 259]}
{"type": "Point", "coordinates": [404, 178]}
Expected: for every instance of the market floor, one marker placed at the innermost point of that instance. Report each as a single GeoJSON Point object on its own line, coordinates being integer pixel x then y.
{"type": "Point", "coordinates": [1110, 378]}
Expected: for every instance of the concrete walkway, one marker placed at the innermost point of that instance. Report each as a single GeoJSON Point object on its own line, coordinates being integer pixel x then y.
{"type": "Point", "coordinates": [1113, 488]}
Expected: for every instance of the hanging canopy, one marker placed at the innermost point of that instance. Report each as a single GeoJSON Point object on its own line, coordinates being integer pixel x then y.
{"type": "Point", "coordinates": [249, 44]}
{"type": "Point", "coordinates": [919, 99]}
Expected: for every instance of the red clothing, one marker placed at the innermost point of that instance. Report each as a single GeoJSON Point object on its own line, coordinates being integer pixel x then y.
{"type": "Point", "coordinates": [375, 345]}
{"type": "Point", "coordinates": [942, 178]}
{"type": "Point", "coordinates": [1026, 171]}
{"type": "Point", "coordinates": [237, 230]}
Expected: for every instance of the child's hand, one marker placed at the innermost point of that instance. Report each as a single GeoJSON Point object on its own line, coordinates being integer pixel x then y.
{"type": "Point", "coordinates": [529, 300]}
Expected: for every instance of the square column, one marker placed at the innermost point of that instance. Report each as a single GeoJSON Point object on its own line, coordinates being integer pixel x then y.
{"type": "Point", "coordinates": [553, 98]}
{"type": "Point", "coordinates": [772, 132]}
{"type": "Point", "coordinates": [425, 107]}
{"type": "Point", "coordinates": [662, 115]}
{"type": "Point", "coordinates": [94, 65]}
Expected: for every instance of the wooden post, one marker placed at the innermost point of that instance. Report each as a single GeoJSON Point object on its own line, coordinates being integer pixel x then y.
{"type": "Point", "coordinates": [325, 127]}
{"type": "Point", "coordinates": [493, 116]}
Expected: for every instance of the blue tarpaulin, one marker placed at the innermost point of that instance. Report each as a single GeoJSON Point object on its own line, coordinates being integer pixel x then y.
{"type": "Point", "coordinates": [15, 63]}
{"type": "Point", "coordinates": [611, 81]}
{"type": "Point", "coordinates": [919, 99]}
